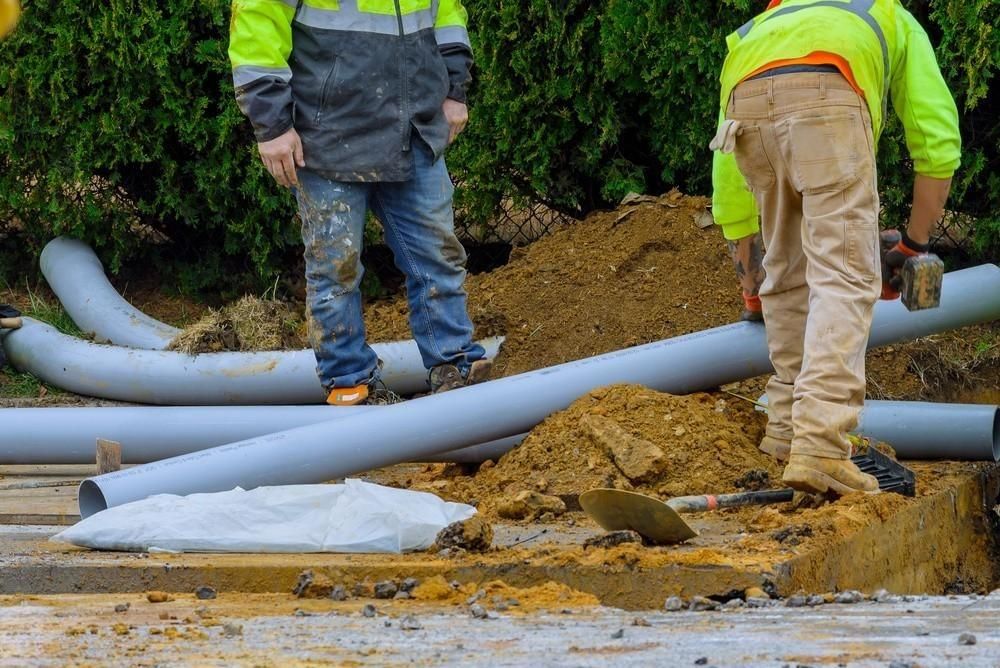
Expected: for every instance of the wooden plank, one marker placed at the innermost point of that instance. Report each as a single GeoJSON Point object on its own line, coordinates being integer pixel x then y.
{"type": "Point", "coordinates": [109, 456]}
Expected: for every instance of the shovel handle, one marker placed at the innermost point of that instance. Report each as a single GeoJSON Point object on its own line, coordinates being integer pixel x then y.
{"type": "Point", "coordinates": [10, 323]}
{"type": "Point", "coordinates": [697, 504]}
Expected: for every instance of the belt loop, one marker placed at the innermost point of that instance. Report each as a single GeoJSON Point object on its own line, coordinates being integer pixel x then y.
{"type": "Point", "coordinates": [770, 98]}
{"type": "Point", "coordinates": [822, 86]}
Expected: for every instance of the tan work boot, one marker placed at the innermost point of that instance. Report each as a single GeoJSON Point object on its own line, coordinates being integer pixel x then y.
{"type": "Point", "coordinates": [778, 448]}
{"type": "Point", "coordinates": [820, 475]}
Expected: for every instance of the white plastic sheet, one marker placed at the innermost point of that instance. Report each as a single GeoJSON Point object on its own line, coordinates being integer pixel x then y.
{"type": "Point", "coordinates": [353, 517]}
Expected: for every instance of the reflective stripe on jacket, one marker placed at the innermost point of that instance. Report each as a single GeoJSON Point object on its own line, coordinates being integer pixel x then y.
{"type": "Point", "coordinates": [356, 78]}
{"type": "Point", "coordinates": [889, 55]}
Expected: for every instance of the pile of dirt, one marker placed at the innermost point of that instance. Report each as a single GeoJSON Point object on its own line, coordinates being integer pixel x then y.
{"type": "Point", "coordinates": [628, 437]}
{"type": "Point", "coordinates": [621, 278]}
{"type": "Point", "coordinates": [249, 325]}
{"type": "Point", "coordinates": [499, 595]}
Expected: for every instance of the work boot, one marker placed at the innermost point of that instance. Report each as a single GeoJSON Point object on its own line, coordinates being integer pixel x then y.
{"type": "Point", "coordinates": [447, 377]}
{"type": "Point", "coordinates": [821, 475]}
{"type": "Point", "coordinates": [778, 448]}
{"type": "Point", "coordinates": [373, 393]}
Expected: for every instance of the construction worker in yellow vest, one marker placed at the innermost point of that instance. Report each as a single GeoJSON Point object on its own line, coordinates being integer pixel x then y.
{"type": "Point", "coordinates": [805, 89]}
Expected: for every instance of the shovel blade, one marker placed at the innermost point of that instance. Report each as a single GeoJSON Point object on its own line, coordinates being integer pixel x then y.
{"type": "Point", "coordinates": [617, 510]}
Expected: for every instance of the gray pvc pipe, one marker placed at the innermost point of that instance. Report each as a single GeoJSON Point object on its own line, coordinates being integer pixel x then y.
{"type": "Point", "coordinates": [77, 277]}
{"type": "Point", "coordinates": [917, 430]}
{"type": "Point", "coordinates": [509, 406]}
{"type": "Point", "coordinates": [178, 379]}
{"type": "Point", "coordinates": [34, 436]}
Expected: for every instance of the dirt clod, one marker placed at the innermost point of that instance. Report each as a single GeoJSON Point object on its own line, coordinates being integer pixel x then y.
{"type": "Point", "coordinates": [369, 610]}
{"type": "Point", "coordinates": [122, 607]}
{"type": "Point", "coordinates": [849, 597]}
{"type": "Point", "coordinates": [386, 589]}
{"type": "Point", "coordinates": [408, 585]}
{"type": "Point", "coordinates": [618, 635]}
{"type": "Point", "coordinates": [528, 504]}
{"type": "Point", "coordinates": [797, 601]}
{"type": "Point", "coordinates": [700, 604]}
{"type": "Point", "coordinates": [312, 585]}
{"type": "Point", "coordinates": [410, 623]}
{"type": "Point", "coordinates": [754, 480]}
{"type": "Point", "coordinates": [478, 611]}
{"type": "Point", "coordinates": [338, 593]}
{"type": "Point", "coordinates": [967, 639]}
{"type": "Point", "coordinates": [205, 593]}
{"type": "Point", "coordinates": [474, 534]}
{"type": "Point", "coordinates": [158, 597]}
{"type": "Point", "coordinates": [674, 604]}
{"type": "Point", "coordinates": [637, 458]}
{"type": "Point", "coordinates": [231, 630]}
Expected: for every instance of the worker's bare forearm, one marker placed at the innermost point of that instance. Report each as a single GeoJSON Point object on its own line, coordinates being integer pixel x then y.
{"type": "Point", "coordinates": [929, 197]}
{"type": "Point", "coordinates": [748, 259]}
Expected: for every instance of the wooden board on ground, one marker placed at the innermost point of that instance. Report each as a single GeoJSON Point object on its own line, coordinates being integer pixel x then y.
{"type": "Point", "coordinates": [52, 502]}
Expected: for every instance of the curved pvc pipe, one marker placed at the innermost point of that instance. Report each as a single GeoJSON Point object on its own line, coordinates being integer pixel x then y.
{"type": "Point", "coordinates": [509, 406]}
{"type": "Point", "coordinates": [77, 277]}
{"type": "Point", "coordinates": [917, 430]}
{"type": "Point", "coordinates": [179, 379]}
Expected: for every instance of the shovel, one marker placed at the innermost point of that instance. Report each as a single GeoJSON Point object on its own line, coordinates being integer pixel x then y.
{"type": "Point", "coordinates": [660, 522]}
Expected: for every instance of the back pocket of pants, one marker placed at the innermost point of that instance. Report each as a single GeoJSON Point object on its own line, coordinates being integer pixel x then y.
{"type": "Point", "coordinates": [825, 151]}
{"type": "Point", "coordinates": [752, 160]}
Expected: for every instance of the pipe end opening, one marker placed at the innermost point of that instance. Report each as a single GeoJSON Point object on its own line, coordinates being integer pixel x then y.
{"type": "Point", "coordinates": [996, 434]}
{"type": "Point", "coordinates": [92, 499]}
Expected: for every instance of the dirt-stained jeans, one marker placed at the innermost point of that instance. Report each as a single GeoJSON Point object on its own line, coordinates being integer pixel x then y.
{"type": "Point", "coordinates": [418, 221]}
{"type": "Point", "coordinates": [806, 149]}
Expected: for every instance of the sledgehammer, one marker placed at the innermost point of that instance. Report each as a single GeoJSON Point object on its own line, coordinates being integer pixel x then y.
{"type": "Point", "coordinates": [10, 317]}
{"type": "Point", "coordinates": [919, 280]}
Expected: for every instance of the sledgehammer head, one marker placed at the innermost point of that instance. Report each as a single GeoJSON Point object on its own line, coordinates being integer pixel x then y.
{"type": "Point", "coordinates": [921, 285]}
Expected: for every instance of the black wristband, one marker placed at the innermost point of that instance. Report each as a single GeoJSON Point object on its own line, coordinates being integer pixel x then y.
{"type": "Point", "coordinates": [913, 245]}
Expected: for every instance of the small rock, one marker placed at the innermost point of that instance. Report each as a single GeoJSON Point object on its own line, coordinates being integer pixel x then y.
{"type": "Point", "coordinates": [612, 539]}
{"type": "Point", "coordinates": [755, 592]}
{"type": "Point", "coordinates": [410, 623]}
{"type": "Point", "coordinates": [618, 635]}
{"type": "Point", "coordinates": [387, 623]}
{"type": "Point", "coordinates": [478, 611]}
{"type": "Point", "coordinates": [797, 601]}
{"type": "Point", "coordinates": [369, 610]}
{"type": "Point", "coordinates": [700, 604]}
{"type": "Point", "coordinates": [363, 590]}
{"type": "Point", "coordinates": [903, 664]}
{"type": "Point", "coordinates": [640, 621]}
{"type": "Point", "coordinates": [231, 630]}
{"type": "Point", "coordinates": [409, 584]}
{"type": "Point", "coordinates": [756, 602]}
{"type": "Point", "coordinates": [880, 595]}
{"type": "Point", "coordinates": [158, 597]}
{"type": "Point", "coordinates": [205, 593]}
{"type": "Point", "coordinates": [122, 607]}
{"type": "Point", "coordinates": [674, 604]}
{"type": "Point", "coordinates": [754, 480]}
{"type": "Point", "coordinates": [475, 597]}
{"type": "Point", "coordinates": [849, 597]}
{"type": "Point", "coordinates": [474, 534]}
{"type": "Point", "coordinates": [402, 595]}
{"type": "Point", "coordinates": [502, 606]}
{"type": "Point", "coordinates": [311, 585]}
{"type": "Point", "coordinates": [541, 484]}
{"type": "Point", "coordinates": [703, 661]}
{"type": "Point", "coordinates": [815, 600]}
{"type": "Point", "coordinates": [339, 593]}
{"type": "Point", "coordinates": [966, 639]}
{"type": "Point", "coordinates": [202, 612]}
{"type": "Point", "coordinates": [299, 612]}
{"type": "Point", "coordinates": [385, 589]}
{"type": "Point", "coordinates": [164, 616]}
{"type": "Point", "coordinates": [487, 465]}
{"type": "Point", "coordinates": [734, 604]}
{"type": "Point", "coordinates": [530, 504]}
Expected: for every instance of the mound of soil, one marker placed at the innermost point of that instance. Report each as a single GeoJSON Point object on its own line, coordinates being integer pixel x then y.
{"type": "Point", "coordinates": [249, 325]}
{"type": "Point", "coordinates": [618, 279]}
{"type": "Point", "coordinates": [630, 437]}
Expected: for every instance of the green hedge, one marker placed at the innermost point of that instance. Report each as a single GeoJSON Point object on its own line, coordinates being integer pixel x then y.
{"type": "Point", "coordinates": [118, 125]}
{"type": "Point", "coordinates": [120, 128]}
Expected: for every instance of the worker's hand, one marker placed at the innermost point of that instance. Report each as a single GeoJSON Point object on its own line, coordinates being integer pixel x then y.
{"type": "Point", "coordinates": [281, 156]}
{"type": "Point", "coordinates": [897, 248]}
{"type": "Point", "coordinates": [457, 114]}
{"type": "Point", "coordinates": [748, 260]}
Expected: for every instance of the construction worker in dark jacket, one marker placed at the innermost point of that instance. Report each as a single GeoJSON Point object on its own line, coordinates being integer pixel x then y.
{"type": "Point", "coordinates": [353, 104]}
{"type": "Point", "coordinates": [805, 92]}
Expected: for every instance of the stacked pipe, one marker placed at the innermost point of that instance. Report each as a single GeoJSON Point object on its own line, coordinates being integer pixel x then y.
{"type": "Point", "coordinates": [287, 444]}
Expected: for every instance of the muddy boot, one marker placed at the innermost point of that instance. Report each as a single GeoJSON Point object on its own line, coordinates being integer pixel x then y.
{"type": "Point", "coordinates": [446, 377]}
{"type": "Point", "coordinates": [373, 393]}
{"type": "Point", "coordinates": [778, 448]}
{"type": "Point", "coordinates": [479, 372]}
{"type": "Point", "coordinates": [820, 475]}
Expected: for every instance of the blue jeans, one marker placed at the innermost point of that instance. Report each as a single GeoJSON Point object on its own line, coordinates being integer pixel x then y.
{"type": "Point", "coordinates": [419, 226]}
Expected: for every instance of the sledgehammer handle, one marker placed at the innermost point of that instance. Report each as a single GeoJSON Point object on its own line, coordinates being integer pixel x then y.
{"type": "Point", "coordinates": [697, 504]}
{"type": "Point", "coordinates": [10, 323]}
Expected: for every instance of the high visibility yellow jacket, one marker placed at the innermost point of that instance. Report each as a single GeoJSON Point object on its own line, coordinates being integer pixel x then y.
{"type": "Point", "coordinates": [882, 50]}
{"type": "Point", "coordinates": [356, 78]}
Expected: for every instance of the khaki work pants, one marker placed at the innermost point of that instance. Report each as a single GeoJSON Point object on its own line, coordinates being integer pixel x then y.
{"type": "Point", "coordinates": [807, 151]}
